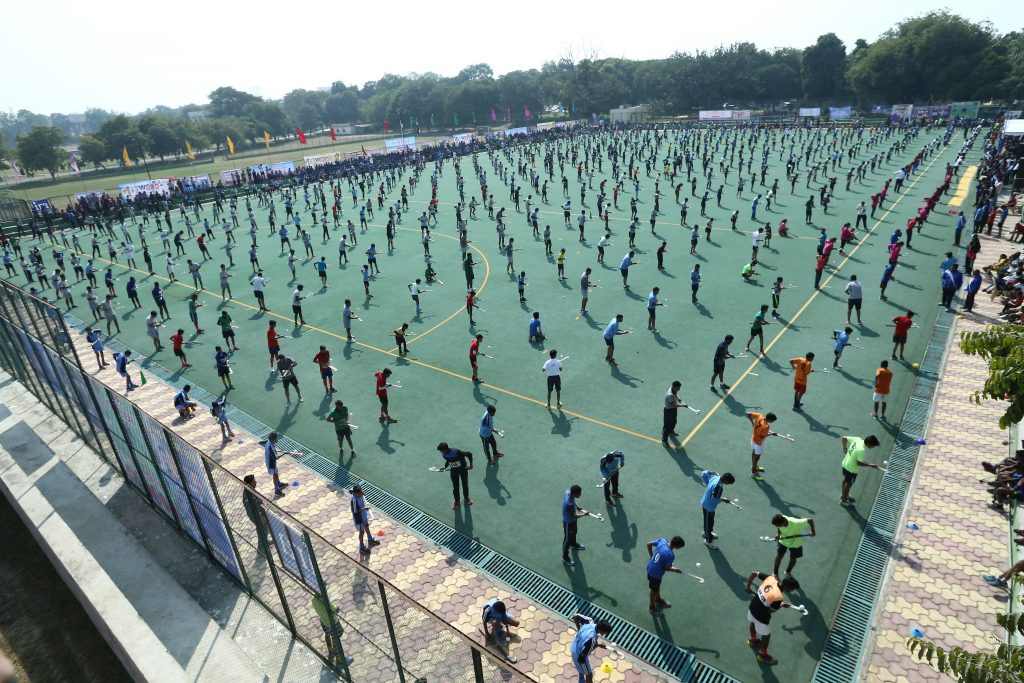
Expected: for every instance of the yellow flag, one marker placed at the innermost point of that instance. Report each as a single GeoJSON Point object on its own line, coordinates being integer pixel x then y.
{"type": "Point", "coordinates": [124, 155]}
{"type": "Point", "coordinates": [266, 140]}
{"type": "Point", "coordinates": [231, 146]}
{"type": "Point", "coordinates": [191, 154]}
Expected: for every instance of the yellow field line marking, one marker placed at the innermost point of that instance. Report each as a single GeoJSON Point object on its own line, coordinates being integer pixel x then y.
{"type": "Point", "coordinates": [963, 187]}
{"type": "Point", "coordinates": [392, 354]}
{"type": "Point", "coordinates": [796, 316]}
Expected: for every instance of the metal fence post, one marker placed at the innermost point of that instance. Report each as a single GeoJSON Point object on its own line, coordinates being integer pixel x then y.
{"type": "Point", "coordinates": [391, 631]}
{"type": "Point", "coordinates": [128, 447]}
{"type": "Point", "coordinates": [227, 524]}
{"type": "Point", "coordinates": [335, 626]}
{"type": "Point", "coordinates": [478, 666]}
{"type": "Point", "coordinates": [156, 470]}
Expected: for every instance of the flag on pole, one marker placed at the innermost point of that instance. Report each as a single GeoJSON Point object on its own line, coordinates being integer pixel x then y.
{"type": "Point", "coordinates": [526, 111]}
{"type": "Point", "coordinates": [494, 114]}
{"type": "Point", "coordinates": [17, 173]}
{"type": "Point", "coordinates": [508, 113]}
{"type": "Point", "coordinates": [124, 155]}
{"type": "Point", "coordinates": [302, 136]}
{"type": "Point", "coordinates": [455, 119]}
{"type": "Point", "coordinates": [474, 117]}
{"type": "Point", "coordinates": [188, 148]}
{"type": "Point", "coordinates": [333, 136]}
{"type": "Point", "coordinates": [266, 140]}
{"type": "Point", "coordinates": [386, 126]}
{"type": "Point", "coordinates": [401, 126]}
{"type": "Point", "coordinates": [411, 124]}
{"type": "Point", "coordinates": [231, 146]}
{"type": "Point", "coordinates": [431, 120]}
{"type": "Point", "coordinates": [363, 148]}
{"type": "Point", "coordinates": [73, 162]}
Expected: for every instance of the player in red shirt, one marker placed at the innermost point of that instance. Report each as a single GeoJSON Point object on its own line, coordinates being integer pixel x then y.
{"type": "Point", "coordinates": [899, 336]}
{"type": "Point", "coordinates": [474, 351]}
{"type": "Point", "coordinates": [272, 345]}
{"type": "Point", "coordinates": [177, 340]}
{"type": "Point", "coordinates": [323, 359]}
{"type": "Point", "coordinates": [382, 394]}
{"type": "Point", "coordinates": [470, 303]}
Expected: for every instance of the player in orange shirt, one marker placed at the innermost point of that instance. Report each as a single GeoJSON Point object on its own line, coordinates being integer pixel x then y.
{"type": "Point", "coordinates": [883, 379]}
{"type": "Point", "coordinates": [762, 430]}
{"type": "Point", "coordinates": [803, 369]}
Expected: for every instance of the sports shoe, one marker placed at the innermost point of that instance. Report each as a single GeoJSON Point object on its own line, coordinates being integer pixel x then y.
{"type": "Point", "coordinates": [760, 469]}
{"type": "Point", "coordinates": [455, 505]}
{"type": "Point", "coordinates": [723, 385]}
{"type": "Point", "coordinates": [653, 610]}
{"type": "Point", "coordinates": [756, 477]}
{"type": "Point", "coordinates": [845, 502]}
{"type": "Point", "coordinates": [363, 548]}
{"type": "Point", "coordinates": [568, 561]}
{"type": "Point", "coordinates": [468, 501]}
{"type": "Point", "coordinates": [767, 659]}
{"type": "Point", "coordinates": [753, 642]}
{"type": "Point", "coordinates": [373, 541]}
{"type": "Point", "coordinates": [711, 545]}
{"type": "Point", "coordinates": [580, 547]}
{"type": "Point", "coordinates": [994, 581]}
{"type": "Point", "coordinates": [618, 495]}
{"type": "Point", "coordinates": [664, 604]}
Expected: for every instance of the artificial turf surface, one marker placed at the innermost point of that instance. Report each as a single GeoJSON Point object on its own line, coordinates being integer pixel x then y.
{"type": "Point", "coordinates": [517, 510]}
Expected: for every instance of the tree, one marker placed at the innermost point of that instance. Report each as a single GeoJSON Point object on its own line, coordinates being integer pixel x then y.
{"type": "Point", "coordinates": [227, 101]}
{"type": "Point", "coordinates": [162, 135]}
{"type": "Point", "coordinates": [39, 149]}
{"type": "Point", "coordinates": [92, 150]}
{"type": "Point", "coordinates": [304, 107]}
{"type": "Point", "coordinates": [341, 107]}
{"type": "Point", "coordinates": [120, 133]}
{"type": "Point", "coordinates": [474, 72]}
{"type": "Point", "coordinates": [1003, 347]}
{"type": "Point", "coordinates": [268, 116]}
{"type": "Point", "coordinates": [823, 66]}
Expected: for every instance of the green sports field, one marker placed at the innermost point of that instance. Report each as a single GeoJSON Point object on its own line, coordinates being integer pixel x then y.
{"type": "Point", "coordinates": [517, 502]}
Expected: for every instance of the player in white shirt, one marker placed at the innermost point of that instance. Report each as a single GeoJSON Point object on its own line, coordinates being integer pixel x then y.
{"type": "Point", "coordinates": [553, 369]}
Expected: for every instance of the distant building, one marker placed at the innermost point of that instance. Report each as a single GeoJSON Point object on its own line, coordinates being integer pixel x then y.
{"type": "Point", "coordinates": [625, 114]}
{"type": "Point", "coordinates": [197, 115]}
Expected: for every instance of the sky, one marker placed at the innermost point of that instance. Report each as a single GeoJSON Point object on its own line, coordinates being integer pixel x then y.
{"type": "Point", "coordinates": [129, 57]}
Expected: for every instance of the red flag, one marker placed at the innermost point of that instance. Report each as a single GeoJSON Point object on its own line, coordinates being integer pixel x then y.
{"type": "Point", "coordinates": [333, 136]}
{"type": "Point", "coordinates": [386, 126]}
{"type": "Point", "coordinates": [302, 137]}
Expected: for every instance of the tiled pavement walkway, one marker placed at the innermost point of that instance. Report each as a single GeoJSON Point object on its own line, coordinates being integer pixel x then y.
{"type": "Point", "coordinates": [936, 582]}
{"type": "Point", "coordinates": [441, 583]}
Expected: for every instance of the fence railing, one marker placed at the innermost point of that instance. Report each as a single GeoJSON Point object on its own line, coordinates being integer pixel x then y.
{"type": "Point", "coordinates": [288, 568]}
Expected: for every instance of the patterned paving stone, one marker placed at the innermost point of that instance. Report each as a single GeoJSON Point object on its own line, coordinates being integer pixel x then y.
{"type": "Point", "coordinates": [445, 585]}
{"type": "Point", "coordinates": [959, 539]}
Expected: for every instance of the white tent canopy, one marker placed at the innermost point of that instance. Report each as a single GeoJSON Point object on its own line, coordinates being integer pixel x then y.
{"type": "Point", "coordinates": [1014, 127]}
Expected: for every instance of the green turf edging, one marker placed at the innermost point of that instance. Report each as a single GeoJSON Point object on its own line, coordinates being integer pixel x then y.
{"type": "Point", "coordinates": [844, 651]}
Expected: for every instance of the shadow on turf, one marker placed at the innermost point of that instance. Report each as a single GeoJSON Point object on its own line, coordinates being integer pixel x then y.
{"type": "Point", "coordinates": [384, 440]}
{"type": "Point", "coordinates": [577, 576]}
{"type": "Point", "coordinates": [624, 534]}
{"type": "Point", "coordinates": [497, 491]}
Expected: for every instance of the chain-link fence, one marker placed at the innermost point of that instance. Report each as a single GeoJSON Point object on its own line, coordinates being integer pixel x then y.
{"type": "Point", "coordinates": [333, 604]}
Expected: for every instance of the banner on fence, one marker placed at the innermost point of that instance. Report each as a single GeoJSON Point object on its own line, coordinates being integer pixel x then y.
{"type": "Point", "coordinates": [400, 144]}
{"type": "Point", "coordinates": [939, 111]}
{"type": "Point", "coordinates": [195, 183]}
{"type": "Point", "coordinates": [463, 138]}
{"type": "Point", "coordinates": [967, 110]}
{"type": "Point", "coordinates": [42, 206]}
{"type": "Point", "coordinates": [315, 160]}
{"type": "Point", "coordinates": [880, 109]}
{"type": "Point", "coordinates": [232, 177]}
{"type": "Point", "coordinates": [160, 186]}
{"type": "Point", "coordinates": [839, 113]}
{"type": "Point", "coordinates": [901, 112]}
{"type": "Point", "coordinates": [292, 549]}
{"type": "Point", "coordinates": [810, 111]}
{"type": "Point", "coordinates": [279, 168]}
